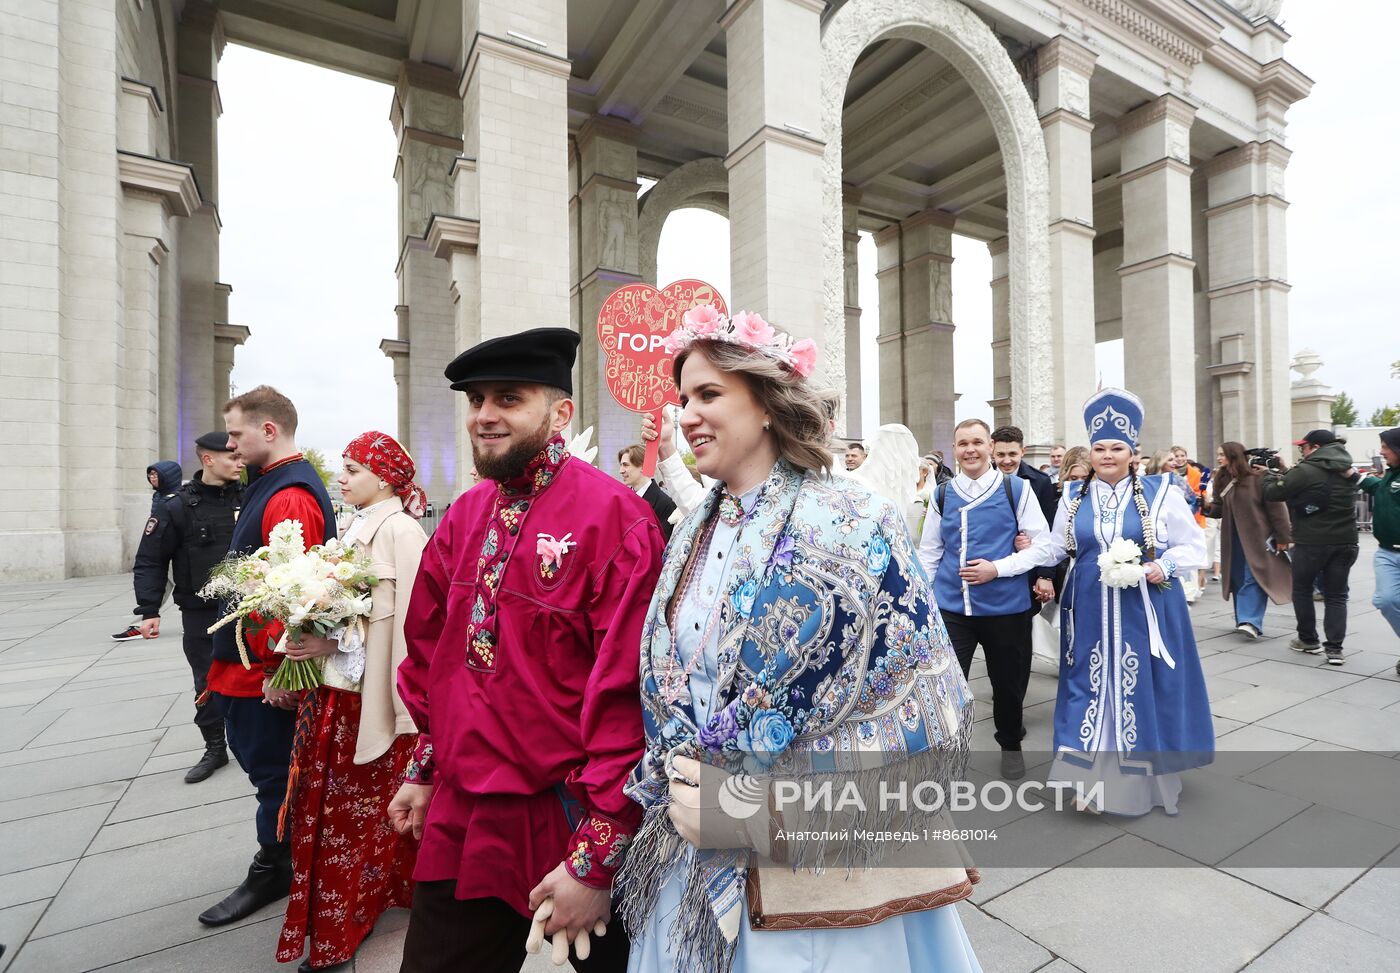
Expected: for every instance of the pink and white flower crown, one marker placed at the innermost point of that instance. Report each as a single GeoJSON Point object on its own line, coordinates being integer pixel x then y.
{"type": "Point", "coordinates": [704, 322]}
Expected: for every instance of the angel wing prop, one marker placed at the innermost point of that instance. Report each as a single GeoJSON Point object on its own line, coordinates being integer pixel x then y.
{"type": "Point", "coordinates": [891, 466]}
{"type": "Point", "coordinates": [581, 446]}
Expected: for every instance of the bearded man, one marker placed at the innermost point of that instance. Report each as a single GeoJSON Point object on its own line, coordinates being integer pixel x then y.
{"type": "Point", "coordinates": [523, 636]}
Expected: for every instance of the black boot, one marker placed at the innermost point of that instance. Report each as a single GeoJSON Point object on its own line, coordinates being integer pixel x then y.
{"type": "Point", "coordinates": [269, 879]}
{"type": "Point", "coordinates": [215, 755]}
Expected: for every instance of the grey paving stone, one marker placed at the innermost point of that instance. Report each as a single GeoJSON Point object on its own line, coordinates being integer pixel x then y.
{"type": "Point", "coordinates": [1364, 784]}
{"type": "Point", "coordinates": [1218, 816]}
{"type": "Point", "coordinates": [1371, 693]}
{"type": "Point", "coordinates": [1059, 966]}
{"type": "Point", "coordinates": [102, 694]}
{"type": "Point", "coordinates": [127, 834]}
{"type": "Point", "coordinates": [998, 946]}
{"type": "Point", "coordinates": [32, 807]}
{"type": "Point", "coordinates": [123, 717]}
{"type": "Point", "coordinates": [34, 884]}
{"type": "Point", "coordinates": [1223, 725]}
{"type": "Point", "coordinates": [1370, 663]}
{"type": "Point", "coordinates": [18, 728]}
{"type": "Point", "coordinates": [143, 935]}
{"type": "Point", "coordinates": [1341, 723]}
{"type": "Point", "coordinates": [130, 880]}
{"type": "Point", "coordinates": [1219, 687]}
{"type": "Point", "coordinates": [1324, 943]}
{"type": "Point", "coordinates": [31, 755]}
{"type": "Point", "coordinates": [250, 947]}
{"type": "Point", "coordinates": [383, 952]}
{"type": "Point", "coordinates": [1293, 678]}
{"type": "Point", "coordinates": [28, 694]}
{"type": "Point", "coordinates": [1182, 918]}
{"type": "Point", "coordinates": [58, 837]}
{"type": "Point", "coordinates": [15, 924]}
{"type": "Point", "coordinates": [1035, 843]}
{"type": "Point", "coordinates": [1250, 747]}
{"type": "Point", "coordinates": [179, 739]}
{"type": "Point", "coordinates": [1220, 662]}
{"type": "Point", "coordinates": [1314, 855]}
{"type": "Point", "coordinates": [167, 762]}
{"type": "Point", "coordinates": [79, 770]}
{"type": "Point", "coordinates": [1370, 903]}
{"type": "Point", "coordinates": [16, 675]}
{"type": "Point", "coordinates": [1255, 703]}
{"type": "Point", "coordinates": [160, 793]}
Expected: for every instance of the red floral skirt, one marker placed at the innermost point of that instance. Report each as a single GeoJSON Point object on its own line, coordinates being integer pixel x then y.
{"type": "Point", "coordinates": [348, 865]}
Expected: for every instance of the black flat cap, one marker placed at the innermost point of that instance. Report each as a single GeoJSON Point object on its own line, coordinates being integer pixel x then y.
{"type": "Point", "coordinates": [213, 442]}
{"type": "Point", "coordinates": [1319, 437]}
{"type": "Point", "coordinates": [541, 356]}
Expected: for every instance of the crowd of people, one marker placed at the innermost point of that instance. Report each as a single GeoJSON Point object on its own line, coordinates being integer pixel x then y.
{"type": "Point", "coordinates": [527, 741]}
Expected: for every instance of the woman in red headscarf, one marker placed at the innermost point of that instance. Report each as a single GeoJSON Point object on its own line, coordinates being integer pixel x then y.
{"type": "Point", "coordinates": [354, 736]}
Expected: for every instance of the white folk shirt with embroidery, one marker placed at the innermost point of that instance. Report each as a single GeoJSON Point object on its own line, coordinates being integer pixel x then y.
{"type": "Point", "coordinates": [350, 660]}
{"type": "Point", "coordinates": [1029, 519]}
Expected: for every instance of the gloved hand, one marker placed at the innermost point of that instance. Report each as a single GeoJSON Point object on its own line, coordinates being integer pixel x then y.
{"type": "Point", "coordinates": [559, 942]}
{"type": "Point", "coordinates": [712, 808]}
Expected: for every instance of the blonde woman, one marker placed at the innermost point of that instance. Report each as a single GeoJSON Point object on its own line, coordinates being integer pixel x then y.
{"type": "Point", "coordinates": [354, 735]}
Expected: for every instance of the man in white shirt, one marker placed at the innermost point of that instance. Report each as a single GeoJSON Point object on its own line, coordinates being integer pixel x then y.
{"type": "Point", "coordinates": [630, 460]}
{"type": "Point", "coordinates": [968, 549]}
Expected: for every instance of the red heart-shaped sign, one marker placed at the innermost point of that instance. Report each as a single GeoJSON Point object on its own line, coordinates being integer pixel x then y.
{"type": "Point", "coordinates": [632, 327]}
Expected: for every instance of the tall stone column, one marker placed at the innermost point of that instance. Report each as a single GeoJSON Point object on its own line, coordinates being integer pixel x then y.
{"type": "Point", "coordinates": [426, 113]}
{"type": "Point", "coordinates": [1248, 271]}
{"type": "Point", "coordinates": [1063, 73]}
{"type": "Point", "coordinates": [1001, 332]}
{"type": "Point", "coordinates": [850, 214]}
{"type": "Point", "coordinates": [396, 350]}
{"type": "Point", "coordinates": [775, 162]}
{"type": "Point", "coordinates": [227, 339]}
{"type": "Point", "coordinates": [889, 278]}
{"type": "Point", "coordinates": [1158, 311]}
{"type": "Point", "coordinates": [199, 44]}
{"type": "Point", "coordinates": [928, 328]}
{"type": "Point", "coordinates": [508, 242]}
{"type": "Point", "coordinates": [604, 211]}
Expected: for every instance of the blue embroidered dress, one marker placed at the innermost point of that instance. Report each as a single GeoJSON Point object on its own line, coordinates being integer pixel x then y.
{"type": "Point", "coordinates": [1131, 711]}
{"type": "Point", "coordinates": [721, 581]}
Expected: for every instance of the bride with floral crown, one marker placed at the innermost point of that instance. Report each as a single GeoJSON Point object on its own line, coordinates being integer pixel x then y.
{"type": "Point", "coordinates": [792, 632]}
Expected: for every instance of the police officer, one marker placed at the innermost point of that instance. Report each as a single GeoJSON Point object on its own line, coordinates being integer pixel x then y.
{"type": "Point", "coordinates": [192, 528]}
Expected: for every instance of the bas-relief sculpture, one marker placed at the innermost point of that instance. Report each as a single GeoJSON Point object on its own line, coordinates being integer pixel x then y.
{"type": "Point", "coordinates": [1074, 92]}
{"type": "Point", "coordinates": [1256, 9]}
{"type": "Point", "coordinates": [429, 188]}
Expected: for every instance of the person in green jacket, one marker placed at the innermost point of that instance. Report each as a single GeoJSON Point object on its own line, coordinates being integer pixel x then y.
{"type": "Point", "coordinates": [1321, 496]}
{"type": "Point", "coordinates": [1385, 525]}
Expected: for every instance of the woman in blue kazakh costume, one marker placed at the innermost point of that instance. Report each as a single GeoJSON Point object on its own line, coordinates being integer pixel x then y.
{"type": "Point", "coordinates": [1131, 712]}
{"type": "Point", "coordinates": [792, 632]}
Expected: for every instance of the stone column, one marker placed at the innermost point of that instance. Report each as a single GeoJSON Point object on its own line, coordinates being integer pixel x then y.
{"type": "Point", "coordinates": [850, 214]}
{"type": "Point", "coordinates": [199, 44]}
{"type": "Point", "coordinates": [426, 113]}
{"type": "Point", "coordinates": [889, 277]}
{"type": "Point", "coordinates": [604, 210]}
{"type": "Point", "coordinates": [509, 242]}
{"type": "Point", "coordinates": [928, 328]}
{"type": "Point", "coordinates": [1249, 289]}
{"type": "Point", "coordinates": [775, 163]}
{"type": "Point", "coordinates": [1001, 333]}
{"type": "Point", "coordinates": [227, 339]}
{"type": "Point", "coordinates": [1063, 69]}
{"type": "Point", "coordinates": [397, 351]}
{"type": "Point", "coordinates": [1158, 313]}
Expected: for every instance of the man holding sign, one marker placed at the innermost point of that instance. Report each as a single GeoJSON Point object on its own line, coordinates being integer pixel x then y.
{"type": "Point", "coordinates": [523, 634]}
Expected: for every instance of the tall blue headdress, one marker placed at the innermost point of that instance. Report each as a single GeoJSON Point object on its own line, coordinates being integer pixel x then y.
{"type": "Point", "coordinates": [1113, 414]}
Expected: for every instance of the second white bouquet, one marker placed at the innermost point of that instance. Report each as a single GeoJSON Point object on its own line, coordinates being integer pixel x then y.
{"type": "Point", "coordinates": [1120, 566]}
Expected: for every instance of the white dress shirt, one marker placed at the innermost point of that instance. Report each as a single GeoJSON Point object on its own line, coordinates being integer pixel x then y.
{"type": "Point", "coordinates": [1029, 520]}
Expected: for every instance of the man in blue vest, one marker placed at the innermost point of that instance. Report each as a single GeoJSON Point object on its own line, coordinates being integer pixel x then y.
{"type": "Point", "coordinates": [969, 551]}
{"type": "Point", "coordinates": [261, 719]}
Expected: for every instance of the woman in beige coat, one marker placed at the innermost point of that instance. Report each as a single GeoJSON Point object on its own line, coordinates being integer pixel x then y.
{"type": "Point", "coordinates": [354, 736]}
{"type": "Point", "coordinates": [1254, 538]}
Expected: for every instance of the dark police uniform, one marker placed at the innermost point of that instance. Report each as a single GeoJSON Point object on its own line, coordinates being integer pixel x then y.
{"type": "Point", "coordinates": [190, 531]}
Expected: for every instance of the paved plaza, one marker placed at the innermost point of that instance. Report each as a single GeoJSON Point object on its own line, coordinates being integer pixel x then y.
{"type": "Point", "coordinates": [107, 856]}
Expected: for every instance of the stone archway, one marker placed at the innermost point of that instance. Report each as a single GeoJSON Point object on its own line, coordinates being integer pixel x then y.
{"type": "Point", "coordinates": [951, 30]}
{"type": "Point", "coordinates": [702, 184]}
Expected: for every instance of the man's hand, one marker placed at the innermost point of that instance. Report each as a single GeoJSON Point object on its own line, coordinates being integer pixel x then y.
{"type": "Point", "coordinates": [1023, 541]}
{"type": "Point", "coordinates": [1044, 590]}
{"type": "Point", "coordinates": [577, 908]}
{"type": "Point", "coordinates": [978, 571]}
{"type": "Point", "coordinates": [281, 698]}
{"type": "Point", "coordinates": [311, 647]}
{"type": "Point", "coordinates": [409, 807]}
{"type": "Point", "coordinates": [150, 628]}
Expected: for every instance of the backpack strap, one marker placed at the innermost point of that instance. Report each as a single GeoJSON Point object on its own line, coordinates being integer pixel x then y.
{"type": "Point", "coordinates": [941, 495]}
{"type": "Point", "coordinates": [1006, 485]}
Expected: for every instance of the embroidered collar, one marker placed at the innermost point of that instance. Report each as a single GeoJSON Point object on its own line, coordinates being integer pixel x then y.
{"type": "Point", "coordinates": [284, 461]}
{"type": "Point", "coordinates": [539, 472]}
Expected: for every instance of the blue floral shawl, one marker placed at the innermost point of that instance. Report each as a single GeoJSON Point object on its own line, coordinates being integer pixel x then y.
{"type": "Point", "coordinates": [832, 659]}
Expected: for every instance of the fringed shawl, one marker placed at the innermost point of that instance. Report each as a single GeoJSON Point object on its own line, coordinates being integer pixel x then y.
{"type": "Point", "coordinates": [833, 665]}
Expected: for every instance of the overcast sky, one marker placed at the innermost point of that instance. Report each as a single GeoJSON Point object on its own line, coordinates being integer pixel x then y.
{"type": "Point", "coordinates": [307, 197]}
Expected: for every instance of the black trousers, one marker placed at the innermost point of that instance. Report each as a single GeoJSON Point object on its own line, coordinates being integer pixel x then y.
{"type": "Point", "coordinates": [1006, 644]}
{"type": "Point", "coordinates": [260, 737]}
{"type": "Point", "coordinates": [1329, 565]}
{"type": "Point", "coordinates": [199, 652]}
{"type": "Point", "coordinates": [449, 935]}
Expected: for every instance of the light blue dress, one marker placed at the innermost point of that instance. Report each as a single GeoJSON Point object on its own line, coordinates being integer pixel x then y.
{"type": "Point", "coordinates": [919, 942]}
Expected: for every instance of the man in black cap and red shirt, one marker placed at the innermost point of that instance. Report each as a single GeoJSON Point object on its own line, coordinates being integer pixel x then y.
{"type": "Point", "coordinates": [1321, 496]}
{"type": "Point", "coordinates": [191, 529]}
{"type": "Point", "coordinates": [522, 677]}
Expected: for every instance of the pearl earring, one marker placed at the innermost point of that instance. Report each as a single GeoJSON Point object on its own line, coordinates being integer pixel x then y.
{"type": "Point", "coordinates": [382, 484]}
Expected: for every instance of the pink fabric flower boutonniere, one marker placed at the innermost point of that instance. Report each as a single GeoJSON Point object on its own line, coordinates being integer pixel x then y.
{"type": "Point", "coordinates": [551, 552]}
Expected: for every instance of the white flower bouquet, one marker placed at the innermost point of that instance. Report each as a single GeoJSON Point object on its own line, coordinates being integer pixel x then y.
{"type": "Point", "coordinates": [318, 590]}
{"type": "Point", "coordinates": [1121, 565]}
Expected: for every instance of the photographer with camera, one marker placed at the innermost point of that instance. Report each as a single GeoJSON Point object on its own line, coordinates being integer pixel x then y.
{"type": "Point", "coordinates": [1254, 536]}
{"type": "Point", "coordinates": [1320, 493]}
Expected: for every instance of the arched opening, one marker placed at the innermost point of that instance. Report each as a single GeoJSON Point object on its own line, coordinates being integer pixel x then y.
{"type": "Point", "coordinates": [702, 184]}
{"type": "Point", "coordinates": [694, 243]}
{"type": "Point", "coordinates": [931, 133]}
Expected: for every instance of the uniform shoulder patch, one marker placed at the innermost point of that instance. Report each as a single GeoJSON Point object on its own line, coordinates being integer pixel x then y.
{"type": "Point", "coordinates": [151, 526]}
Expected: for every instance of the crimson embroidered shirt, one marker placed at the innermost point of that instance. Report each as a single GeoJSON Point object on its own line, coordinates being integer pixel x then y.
{"type": "Point", "coordinates": [522, 677]}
